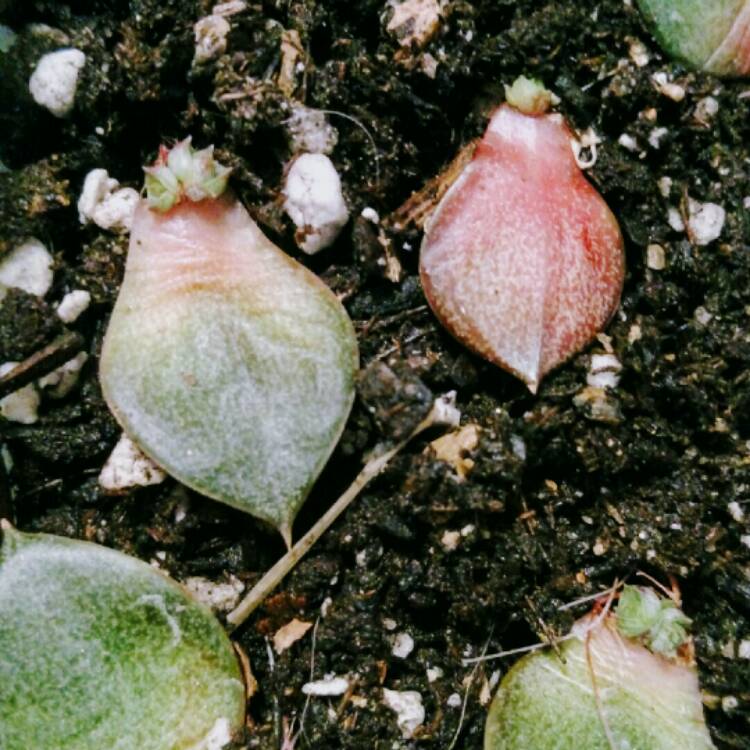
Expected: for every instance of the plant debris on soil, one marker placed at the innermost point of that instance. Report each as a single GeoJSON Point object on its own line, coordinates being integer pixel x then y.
{"type": "Point", "coordinates": [561, 492]}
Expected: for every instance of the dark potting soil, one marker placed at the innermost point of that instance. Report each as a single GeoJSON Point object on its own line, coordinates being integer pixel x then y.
{"type": "Point", "coordinates": [569, 489]}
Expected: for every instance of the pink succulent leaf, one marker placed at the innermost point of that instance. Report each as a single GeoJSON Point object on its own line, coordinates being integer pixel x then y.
{"type": "Point", "coordinates": [523, 261]}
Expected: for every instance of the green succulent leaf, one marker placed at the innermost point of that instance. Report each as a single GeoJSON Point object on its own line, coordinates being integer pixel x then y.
{"type": "Point", "coordinates": [547, 702]}
{"type": "Point", "coordinates": [708, 35]}
{"type": "Point", "coordinates": [230, 364]}
{"type": "Point", "coordinates": [99, 650]}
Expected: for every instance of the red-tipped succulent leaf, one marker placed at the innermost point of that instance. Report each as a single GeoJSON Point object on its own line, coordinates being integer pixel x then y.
{"type": "Point", "coordinates": [522, 260]}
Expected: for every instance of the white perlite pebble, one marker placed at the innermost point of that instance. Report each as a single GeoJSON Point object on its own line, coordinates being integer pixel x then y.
{"type": "Point", "coordinates": [27, 267]}
{"type": "Point", "coordinates": [21, 405]}
{"type": "Point", "coordinates": [60, 382]}
{"type": "Point", "coordinates": [434, 674]}
{"type": "Point", "coordinates": [656, 258]}
{"type": "Point", "coordinates": [314, 201]}
{"type": "Point", "coordinates": [55, 78]}
{"type": "Point", "coordinates": [105, 203]}
{"type": "Point", "coordinates": [222, 597]}
{"type": "Point", "coordinates": [705, 221]}
{"type": "Point", "coordinates": [744, 650]}
{"type": "Point", "coordinates": [604, 371]}
{"type": "Point", "coordinates": [210, 38]}
{"type": "Point", "coordinates": [72, 305]}
{"type": "Point", "coordinates": [408, 707]}
{"type": "Point", "coordinates": [128, 467]}
{"type": "Point", "coordinates": [454, 701]}
{"type": "Point", "coordinates": [403, 645]}
{"type": "Point", "coordinates": [736, 511]}
{"type": "Point", "coordinates": [309, 131]}
{"type": "Point", "coordinates": [330, 685]}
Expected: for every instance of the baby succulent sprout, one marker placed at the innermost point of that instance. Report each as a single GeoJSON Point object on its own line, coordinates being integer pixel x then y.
{"type": "Point", "coordinates": [522, 261]}
{"type": "Point", "coordinates": [622, 680]}
{"type": "Point", "coordinates": [657, 621]}
{"type": "Point", "coordinates": [228, 363]}
{"type": "Point", "coordinates": [713, 36]}
{"type": "Point", "coordinates": [99, 650]}
{"type": "Point", "coordinates": [182, 172]}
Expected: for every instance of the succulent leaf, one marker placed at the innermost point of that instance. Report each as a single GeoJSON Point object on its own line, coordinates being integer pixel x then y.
{"type": "Point", "coordinates": [522, 261]}
{"type": "Point", "coordinates": [712, 36]}
{"type": "Point", "coordinates": [229, 364]}
{"type": "Point", "coordinates": [99, 650]}
{"type": "Point", "coordinates": [547, 702]}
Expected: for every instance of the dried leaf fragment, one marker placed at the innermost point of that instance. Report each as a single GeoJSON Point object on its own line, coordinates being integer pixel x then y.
{"type": "Point", "coordinates": [289, 634]}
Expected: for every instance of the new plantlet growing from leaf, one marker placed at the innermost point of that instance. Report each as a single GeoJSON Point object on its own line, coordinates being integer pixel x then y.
{"type": "Point", "coordinates": [99, 650]}
{"type": "Point", "coordinates": [228, 363]}
{"type": "Point", "coordinates": [622, 680]}
{"type": "Point", "coordinates": [708, 35]}
{"type": "Point", "coordinates": [522, 261]}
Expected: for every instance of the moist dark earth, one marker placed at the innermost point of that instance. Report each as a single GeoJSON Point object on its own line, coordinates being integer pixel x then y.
{"type": "Point", "coordinates": [565, 495]}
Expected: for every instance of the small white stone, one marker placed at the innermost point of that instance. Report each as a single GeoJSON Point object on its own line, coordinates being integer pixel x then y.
{"type": "Point", "coordinates": [450, 540]}
{"type": "Point", "coordinates": [361, 558]}
{"type": "Point", "coordinates": [638, 53]}
{"type": "Point", "coordinates": [655, 257]}
{"type": "Point", "coordinates": [326, 606]}
{"type": "Point", "coordinates": [55, 78]}
{"type": "Point", "coordinates": [408, 707]}
{"type": "Point", "coordinates": [665, 186]}
{"type": "Point", "coordinates": [414, 22]}
{"type": "Point", "coordinates": [314, 201]}
{"type": "Point", "coordinates": [745, 539]}
{"type": "Point", "coordinates": [705, 221]}
{"type": "Point", "coordinates": [29, 267]}
{"type": "Point", "coordinates": [628, 142]}
{"type": "Point", "coordinates": [330, 685]}
{"type": "Point", "coordinates": [744, 649]}
{"type": "Point", "coordinates": [667, 88]}
{"type": "Point", "coordinates": [389, 623]}
{"type": "Point", "coordinates": [736, 511]}
{"type": "Point", "coordinates": [674, 219]}
{"type": "Point", "coordinates": [705, 109]}
{"type": "Point", "coordinates": [128, 467]}
{"type": "Point", "coordinates": [21, 405]}
{"type": "Point", "coordinates": [309, 131]}
{"type": "Point", "coordinates": [210, 34]}
{"type": "Point", "coordinates": [434, 674]}
{"type": "Point", "coordinates": [60, 382]}
{"type": "Point", "coordinates": [655, 137]}
{"type": "Point", "coordinates": [403, 645]}
{"type": "Point", "coordinates": [729, 703]}
{"type": "Point", "coordinates": [454, 701]}
{"type": "Point", "coordinates": [371, 215]}
{"type": "Point", "coordinates": [221, 597]}
{"type": "Point", "coordinates": [72, 305]}
{"type": "Point", "coordinates": [604, 371]}
{"type": "Point", "coordinates": [105, 203]}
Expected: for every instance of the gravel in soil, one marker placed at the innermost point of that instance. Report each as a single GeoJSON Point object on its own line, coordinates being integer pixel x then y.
{"type": "Point", "coordinates": [564, 492]}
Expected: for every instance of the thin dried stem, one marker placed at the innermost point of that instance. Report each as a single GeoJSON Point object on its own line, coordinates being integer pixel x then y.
{"type": "Point", "coordinates": [441, 413]}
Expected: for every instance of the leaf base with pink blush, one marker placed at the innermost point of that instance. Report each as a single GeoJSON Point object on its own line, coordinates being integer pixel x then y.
{"type": "Point", "coordinates": [523, 261]}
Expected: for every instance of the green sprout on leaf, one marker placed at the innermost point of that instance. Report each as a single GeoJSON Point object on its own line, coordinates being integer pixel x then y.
{"type": "Point", "coordinates": [184, 172]}
{"type": "Point", "coordinates": [658, 622]}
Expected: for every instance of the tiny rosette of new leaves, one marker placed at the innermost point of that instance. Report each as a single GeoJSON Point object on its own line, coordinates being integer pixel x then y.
{"type": "Point", "coordinates": [659, 622]}
{"type": "Point", "coordinates": [183, 173]}
{"type": "Point", "coordinates": [529, 96]}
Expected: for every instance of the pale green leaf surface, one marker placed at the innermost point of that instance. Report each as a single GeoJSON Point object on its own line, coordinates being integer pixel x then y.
{"type": "Point", "coordinates": [694, 31]}
{"type": "Point", "coordinates": [98, 650]}
{"type": "Point", "coordinates": [230, 364]}
{"type": "Point", "coordinates": [546, 703]}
